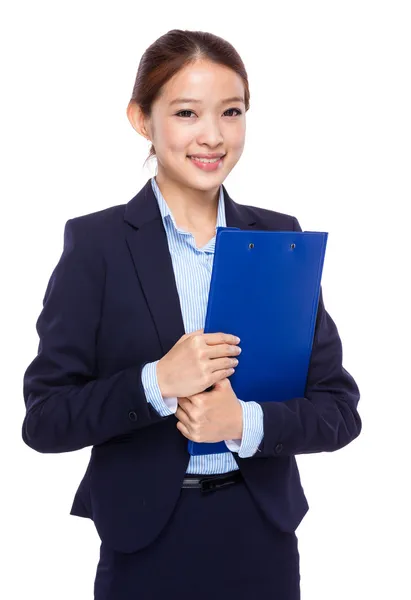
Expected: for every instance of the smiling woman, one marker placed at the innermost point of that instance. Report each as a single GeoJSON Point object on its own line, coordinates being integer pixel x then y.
{"type": "Point", "coordinates": [192, 108]}
{"type": "Point", "coordinates": [190, 100]}
{"type": "Point", "coordinates": [124, 364]}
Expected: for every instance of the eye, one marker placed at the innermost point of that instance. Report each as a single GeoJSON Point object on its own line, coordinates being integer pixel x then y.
{"type": "Point", "coordinates": [190, 111]}
{"type": "Point", "coordinates": [183, 111]}
{"type": "Point", "coordinates": [238, 111]}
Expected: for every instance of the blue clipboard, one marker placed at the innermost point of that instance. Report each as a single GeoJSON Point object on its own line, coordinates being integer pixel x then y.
{"type": "Point", "coordinates": [265, 288]}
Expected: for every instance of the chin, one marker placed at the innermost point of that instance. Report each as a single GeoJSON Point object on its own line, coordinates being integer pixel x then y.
{"type": "Point", "coordinates": [198, 183]}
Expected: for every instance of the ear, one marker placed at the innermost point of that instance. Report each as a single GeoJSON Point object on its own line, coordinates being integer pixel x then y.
{"type": "Point", "coordinates": [138, 120]}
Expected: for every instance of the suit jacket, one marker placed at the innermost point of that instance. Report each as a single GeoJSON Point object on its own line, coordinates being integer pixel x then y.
{"type": "Point", "coordinates": [111, 305]}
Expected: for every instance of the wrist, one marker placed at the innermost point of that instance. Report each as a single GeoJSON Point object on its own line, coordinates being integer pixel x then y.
{"type": "Point", "coordinates": [239, 422]}
{"type": "Point", "coordinates": [165, 393]}
{"type": "Point", "coordinates": [235, 431]}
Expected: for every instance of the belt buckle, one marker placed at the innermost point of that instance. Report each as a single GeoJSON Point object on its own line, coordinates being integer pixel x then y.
{"type": "Point", "coordinates": [207, 485]}
{"type": "Point", "coordinates": [210, 485]}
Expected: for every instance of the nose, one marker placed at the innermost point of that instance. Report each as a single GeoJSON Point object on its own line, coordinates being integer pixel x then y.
{"type": "Point", "coordinates": [210, 133]}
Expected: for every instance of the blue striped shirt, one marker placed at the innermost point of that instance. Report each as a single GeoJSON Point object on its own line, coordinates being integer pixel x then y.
{"type": "Point", "coordinates": [192, 269]}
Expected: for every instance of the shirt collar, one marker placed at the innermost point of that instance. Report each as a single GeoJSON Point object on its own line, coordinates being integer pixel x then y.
{"type": "Point", "coordinates": [166, 213]}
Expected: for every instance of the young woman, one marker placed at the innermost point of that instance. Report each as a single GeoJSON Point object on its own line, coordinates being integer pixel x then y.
{"type": "Point", "coordinates": [123, 363]}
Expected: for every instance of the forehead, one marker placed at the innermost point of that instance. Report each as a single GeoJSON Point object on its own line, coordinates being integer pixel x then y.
{"type": "Point", "coordinates": [205, 81]}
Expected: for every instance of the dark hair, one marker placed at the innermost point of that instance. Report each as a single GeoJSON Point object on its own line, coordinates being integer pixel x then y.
{"type": "Point", "coordinates": [173, 51]}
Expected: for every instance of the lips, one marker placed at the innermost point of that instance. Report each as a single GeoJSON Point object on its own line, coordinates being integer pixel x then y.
{"type": "Point", "coordinates": [207, 165]}
{"type": "Point", "coordinates": [205, 156]}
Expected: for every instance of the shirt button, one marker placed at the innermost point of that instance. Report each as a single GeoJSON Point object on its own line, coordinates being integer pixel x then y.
{"type": "Point", "coordinates": [279, 448]}
{"type": "Point", "coordinates": [132, 415]}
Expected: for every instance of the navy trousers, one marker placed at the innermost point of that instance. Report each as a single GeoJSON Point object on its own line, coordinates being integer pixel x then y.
{"type": "Point", "coordinates": [215, 546]}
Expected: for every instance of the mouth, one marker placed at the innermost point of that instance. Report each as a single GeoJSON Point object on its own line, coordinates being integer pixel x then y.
{"type": "Point", "coordinates": [204, 159]}
{"type": "Point", "coordinates": [207, 164]}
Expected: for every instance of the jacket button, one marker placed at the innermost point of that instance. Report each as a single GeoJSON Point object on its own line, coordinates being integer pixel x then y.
{"type": "Point", "coordinates": [132, 415]}
{"type": "Point", "coordinates": [279, 448]}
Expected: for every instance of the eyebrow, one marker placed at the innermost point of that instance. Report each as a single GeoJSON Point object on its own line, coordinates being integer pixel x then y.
{"type": "Point", "coordinates": [192, 100]}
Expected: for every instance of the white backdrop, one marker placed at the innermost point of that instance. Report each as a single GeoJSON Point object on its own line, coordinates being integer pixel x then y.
{"type": "Point", "coordinates": [329, 132]}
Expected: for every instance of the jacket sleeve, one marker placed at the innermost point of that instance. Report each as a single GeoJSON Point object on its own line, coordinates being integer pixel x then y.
{"type": "Point", "coordinates": [67, 406]}
{"type": "Point", "coordinates": [326, 418]}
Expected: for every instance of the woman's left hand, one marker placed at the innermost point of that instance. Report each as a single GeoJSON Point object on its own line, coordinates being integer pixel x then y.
{"type": "Point", "coordinates": [212, 416]}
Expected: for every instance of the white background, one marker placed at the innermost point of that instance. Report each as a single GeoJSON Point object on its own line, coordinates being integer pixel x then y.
{"type": "Point", "coordinates": [328, 137]}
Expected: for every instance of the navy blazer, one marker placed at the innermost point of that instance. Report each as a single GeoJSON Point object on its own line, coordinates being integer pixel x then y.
{"type": "Point", "coordinates": [111, 305]}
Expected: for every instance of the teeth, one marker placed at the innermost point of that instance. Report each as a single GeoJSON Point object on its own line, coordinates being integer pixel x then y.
{"type": "Point", "coordinates": [206, 160]}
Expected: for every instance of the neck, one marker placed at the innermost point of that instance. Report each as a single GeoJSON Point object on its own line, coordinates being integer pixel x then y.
{"type": "Point", "coordinates": [192, 209]}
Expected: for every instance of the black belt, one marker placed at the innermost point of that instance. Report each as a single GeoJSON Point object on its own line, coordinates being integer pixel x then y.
{"type": "Point", "coordinates": [209, 483]}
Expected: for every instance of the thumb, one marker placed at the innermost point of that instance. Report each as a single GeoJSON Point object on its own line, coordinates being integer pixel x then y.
{"type": "Point", "coordinates": [222, 384]}
{"type": "Point", "coordinates": [187, 335]}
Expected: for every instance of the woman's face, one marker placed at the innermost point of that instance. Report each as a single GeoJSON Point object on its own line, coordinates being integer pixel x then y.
{"type": "Point", "coordinates": [212, 122]}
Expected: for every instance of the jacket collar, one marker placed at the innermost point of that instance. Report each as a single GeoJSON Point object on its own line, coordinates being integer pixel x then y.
{"type": "Point", "coordinates": [148, 245]}
{"type": "Point", "coordinates": [143, 208]}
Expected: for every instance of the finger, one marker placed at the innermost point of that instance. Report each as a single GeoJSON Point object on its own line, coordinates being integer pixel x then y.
{"type": "Point", "coordinates": [213, 339]}
{"type": "Point", "coordinates": [198, 400]}
{"type": "Point", "coordinates": [223, 364]}
{"type": "Point", "coordinates": [196, 333]}
{"type": "Point", "coordinates": [223, 351]}
{"type": "Point", "coordinates": [222, 384]}
{"type": "Point", "coordinates": [183, 416]}
{"type": "Point", "coordinates": [187, 335]}
{"type": "Point", "coordinates": [183, 429]}
{"type": "Point", "coordinates": [184, 404]}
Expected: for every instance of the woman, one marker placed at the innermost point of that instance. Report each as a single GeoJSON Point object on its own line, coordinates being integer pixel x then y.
{"type": "Point", "coordinates": [123, 363]}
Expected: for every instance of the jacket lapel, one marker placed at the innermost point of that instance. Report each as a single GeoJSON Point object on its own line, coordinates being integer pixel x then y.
{"type": "Point", "coordinates": [147, 241]}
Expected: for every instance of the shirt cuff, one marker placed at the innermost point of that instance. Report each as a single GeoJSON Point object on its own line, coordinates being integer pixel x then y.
{"type": "Point", "coordinates": [253, 430]}
{"type": "Point", "coordinates": [164, 406]}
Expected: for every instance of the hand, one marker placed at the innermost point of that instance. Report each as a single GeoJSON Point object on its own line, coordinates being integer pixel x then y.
{"type": "Point", "coordinates": [197, 361]}
{"type": "Point", "coordinates": [211, 416]}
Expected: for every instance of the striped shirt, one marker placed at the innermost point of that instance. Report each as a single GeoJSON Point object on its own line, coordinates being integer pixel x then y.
{"type": "Point", "coordinates": [192, 270]}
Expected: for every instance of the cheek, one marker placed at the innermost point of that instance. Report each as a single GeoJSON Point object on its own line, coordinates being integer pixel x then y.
{"type": "Point", "coordinates": [176, 138]}
{"type": "Point", "coordinates": [236, 139]}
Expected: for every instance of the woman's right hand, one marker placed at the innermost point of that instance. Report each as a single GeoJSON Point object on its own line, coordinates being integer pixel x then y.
{"type": "Point", "coordinates": [197, 361]}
